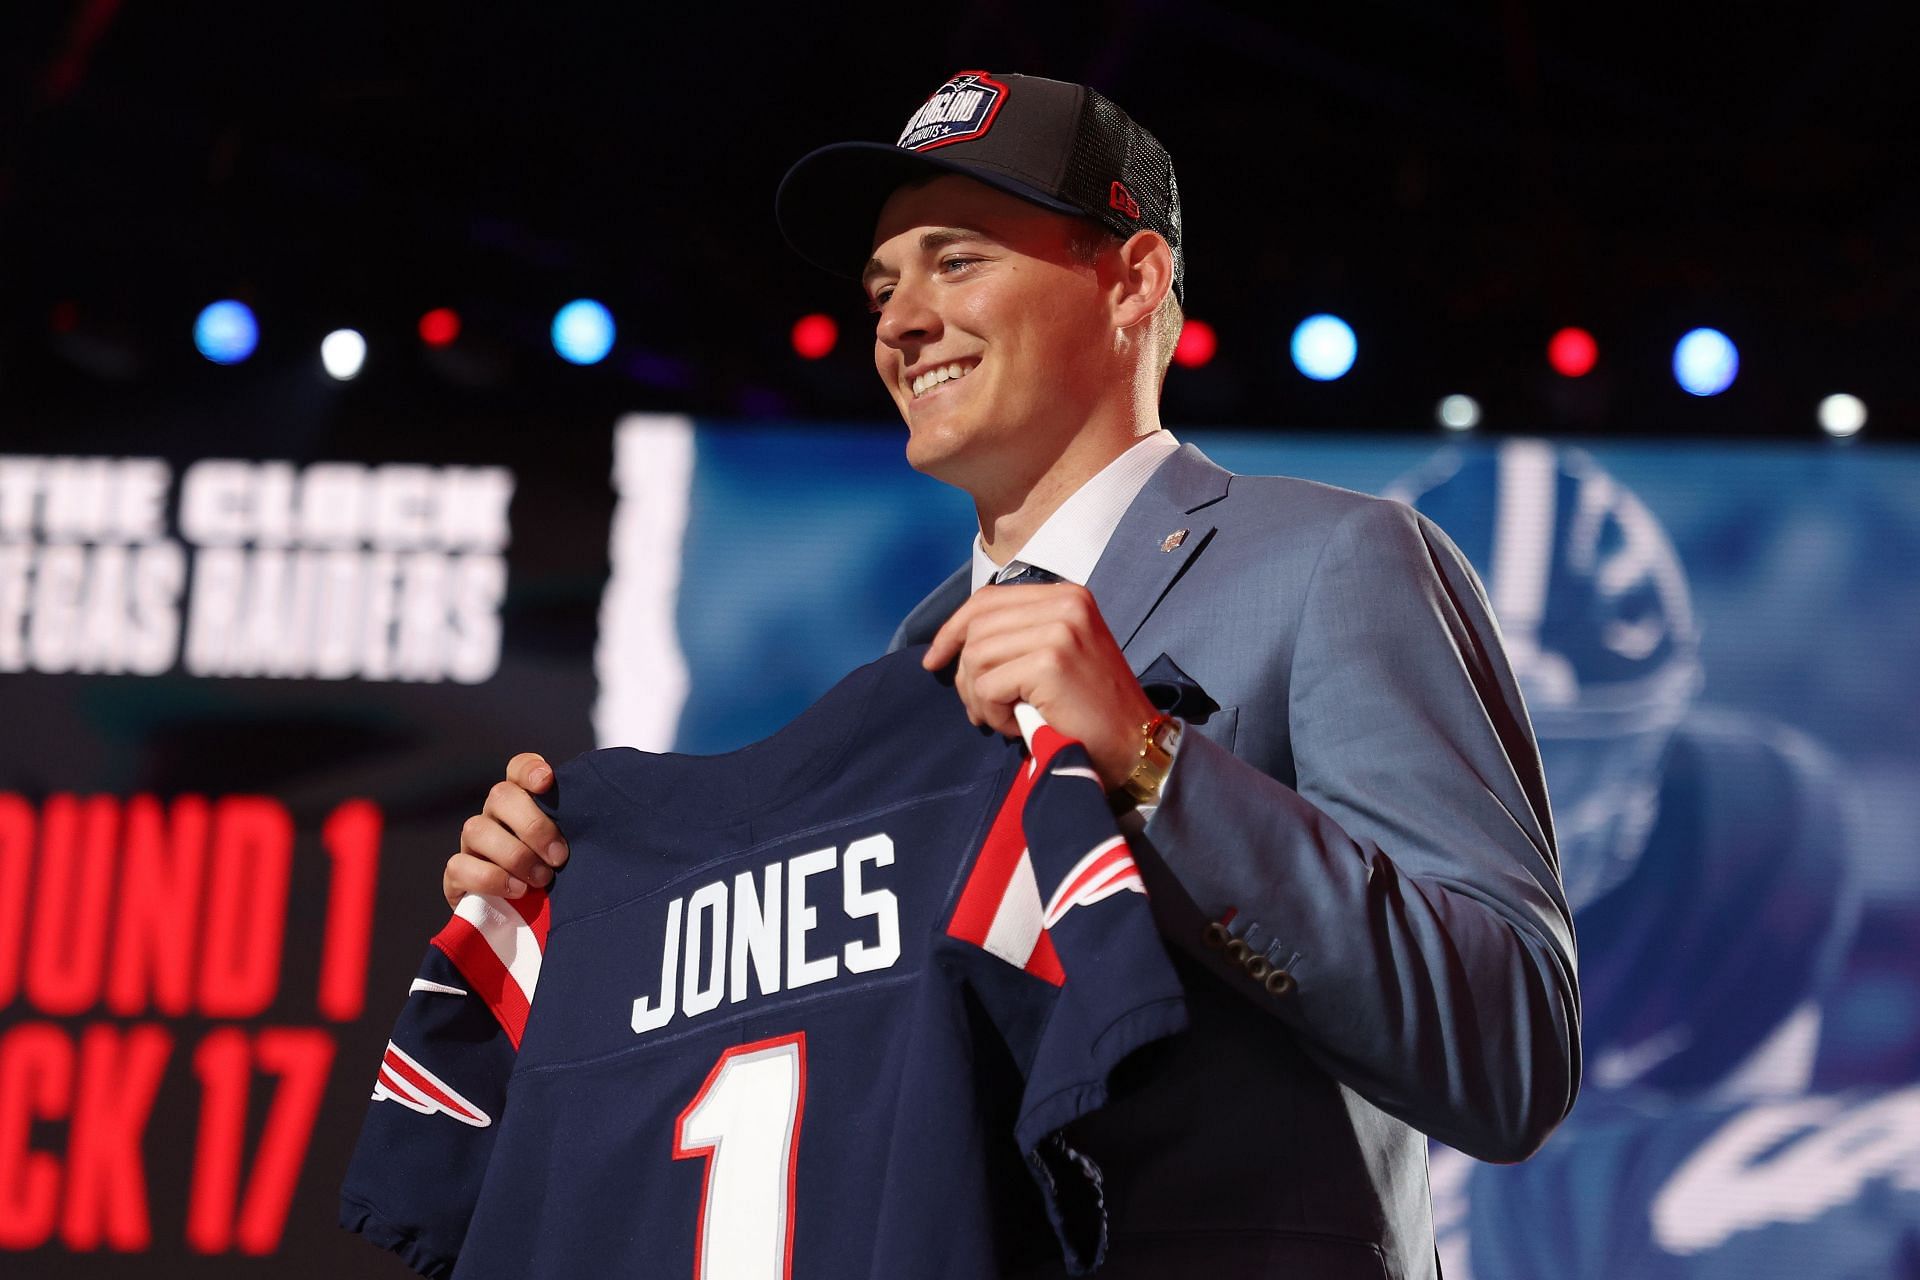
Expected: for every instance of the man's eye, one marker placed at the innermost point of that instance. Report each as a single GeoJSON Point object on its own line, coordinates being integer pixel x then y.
{"type": "Point", "coordinates": [878, 299]}
{"type": "Point", "coordinates": [957, 266]}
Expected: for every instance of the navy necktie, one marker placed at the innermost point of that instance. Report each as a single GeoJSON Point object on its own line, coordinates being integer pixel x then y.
{"type": "Point", "coordinates": [1032, 573]}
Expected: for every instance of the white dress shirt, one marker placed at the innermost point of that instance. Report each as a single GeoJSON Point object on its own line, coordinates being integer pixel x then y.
{"type": "Point", "coordinates": [1070, 541]}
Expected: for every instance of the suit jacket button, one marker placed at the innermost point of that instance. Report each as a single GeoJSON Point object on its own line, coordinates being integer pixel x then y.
{"type": "Point", "coordinates": [1279, 983]}
{"type": "Point", "coordinates": [1216, 934]}
{"type": "Point", "coordinates": [1239, 950]}
{"type": "Point", "coordinates": [1258, 967]}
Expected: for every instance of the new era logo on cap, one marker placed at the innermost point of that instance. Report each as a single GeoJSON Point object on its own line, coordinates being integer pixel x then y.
{"type": "Point", "coordinates": [959, 110]}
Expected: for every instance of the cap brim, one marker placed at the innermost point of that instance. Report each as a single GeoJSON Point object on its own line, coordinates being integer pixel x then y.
{"type": "Point", "coordinates": [830, 200]}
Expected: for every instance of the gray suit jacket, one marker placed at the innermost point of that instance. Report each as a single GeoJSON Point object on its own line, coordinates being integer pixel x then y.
{"type": "Point", "coordinates": [1358, 801]}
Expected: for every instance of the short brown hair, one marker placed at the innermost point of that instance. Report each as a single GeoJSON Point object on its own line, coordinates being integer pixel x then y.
{"type": "Point", "coordinates": [1088, 242]}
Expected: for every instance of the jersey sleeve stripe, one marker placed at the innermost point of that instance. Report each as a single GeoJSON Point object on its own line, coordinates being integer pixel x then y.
{"type": "Point", "coordinates": [532, 908]}
{"type": "Point", "coordinates": [1016, 919]}
{"type": "Point", "coordinates": [475, 956]}
{"type": "Point", "coordinates": [993, 868]}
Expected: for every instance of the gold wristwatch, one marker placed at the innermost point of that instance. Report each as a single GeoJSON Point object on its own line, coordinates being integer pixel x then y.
{"type": "Point", "coordinates": [1158, 738]}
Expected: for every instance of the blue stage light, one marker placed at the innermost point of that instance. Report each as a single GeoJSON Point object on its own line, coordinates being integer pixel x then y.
{"type": "Point", "coordinates": [226, 332]}
{"type": "Point", "coordinates": [583, 332]}
{"type": "Point", "coordinates": [1324, 347]}
{"type": "Point", "coordinates": [1705, 362]}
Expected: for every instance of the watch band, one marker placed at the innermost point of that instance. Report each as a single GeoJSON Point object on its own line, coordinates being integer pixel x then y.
{"type": "Point", "coordinates": [1158, 737]}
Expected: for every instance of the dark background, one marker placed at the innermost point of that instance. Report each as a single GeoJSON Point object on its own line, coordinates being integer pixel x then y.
{"type": "Point", "coordinates": [1457, 180]}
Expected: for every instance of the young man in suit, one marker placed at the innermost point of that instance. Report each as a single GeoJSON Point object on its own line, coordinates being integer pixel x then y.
{"type": "Point", "coordinates": [1300, 692]}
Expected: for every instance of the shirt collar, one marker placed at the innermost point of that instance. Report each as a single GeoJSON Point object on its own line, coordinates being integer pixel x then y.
{"type": "Point", "coordinates": [1070, 541]}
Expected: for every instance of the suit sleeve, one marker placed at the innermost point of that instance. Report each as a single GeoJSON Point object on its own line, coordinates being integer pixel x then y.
{"type": "Point", "coordinates": [1408, 880]}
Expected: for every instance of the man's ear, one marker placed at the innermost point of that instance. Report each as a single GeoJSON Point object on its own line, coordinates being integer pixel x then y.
{"type": "Point", "coordinates": [1144, 279]}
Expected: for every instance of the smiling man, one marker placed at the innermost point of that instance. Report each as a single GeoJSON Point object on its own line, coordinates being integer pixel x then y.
{"type": "Point", "coordinates": [1298, 691]}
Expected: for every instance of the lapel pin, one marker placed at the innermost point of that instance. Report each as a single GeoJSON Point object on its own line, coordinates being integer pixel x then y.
{"type": "Point", "coordinates": [1173, 539]}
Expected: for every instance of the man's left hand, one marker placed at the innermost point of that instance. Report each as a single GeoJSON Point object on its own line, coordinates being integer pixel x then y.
{"type": "Point", "coordinates": [1047, 645]}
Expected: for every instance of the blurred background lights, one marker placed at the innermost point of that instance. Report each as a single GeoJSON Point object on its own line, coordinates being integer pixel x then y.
{"type": "Point", "coordinates": [226, 332]}
{"type": "Point", "coordinates": [814, 336]}
{"type": "Point", "coordinates": [1196, 346]}
{"type": "Point", "coordinates": [1459, 413]}
{"type": "Point", "coordinates": [343, 352]}
{"type": "Point", "coordinates": [1842, 415]}
{"type": "Point", "coordinates": [1324, 347]}
{"type": "Point", "coordinates": [1572, 352]}
{"type": "Point", "coordinates": [440, 326]}
{"type": "Point", "coordinates": [583, 332]}
{"type": "Point", "coordinates": [1705, 362]}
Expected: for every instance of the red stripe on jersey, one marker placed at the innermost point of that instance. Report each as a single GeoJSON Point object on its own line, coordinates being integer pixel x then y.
{"type": "Point", "coordinates": [1000, 853]}
{"type": "Point", "coordinates": [993, 866]}
{"type": "Point", "coordinates": [1047, 742]}
{"type": "Point", "coordinates": [1045, 961]}
{"type": "Point", "coordinates": [532, 906]}
{"type": "Point", "coordinates": [475, 958]}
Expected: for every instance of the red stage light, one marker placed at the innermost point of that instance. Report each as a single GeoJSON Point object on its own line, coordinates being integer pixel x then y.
{"type": "Point", "coordinates": [1572, 352]}
{"type": "Point", "coordinates": [440, 326]}
{"type": "Point", "coordinates": [1196, 346]}
{"type": "Point", "coordinates": [814, 336]}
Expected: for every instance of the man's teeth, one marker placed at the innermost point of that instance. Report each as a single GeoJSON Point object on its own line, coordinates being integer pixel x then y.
{"type": "Point", "coordinates": [934, 377]}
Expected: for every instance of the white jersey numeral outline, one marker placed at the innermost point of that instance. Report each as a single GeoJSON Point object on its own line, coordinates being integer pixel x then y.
{"type": "Point", "coordinates": [745, 1121]}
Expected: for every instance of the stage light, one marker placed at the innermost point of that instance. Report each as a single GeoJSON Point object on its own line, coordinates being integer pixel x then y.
{"type": "Point", "coordinates": [813, 336]}
{"type": "Point", "coordinates": [583, 332]}
{"type": "Point", "coordinates": [226, 332]}
{"type": "Point", "coordinates": [1324, 347]}
{"type": "Point", "coordinates": [1196, 345]}
{"type": "Point", "coordinates": [1459, 413]}
{"type": "Point", "coordinates": [1572, 353]}
{"type": "Point", "coordinates": [1705, 362]}
{"type": "Point", "coordinates": [440, 326]}
{"type": "Point", "coordinates": [343, 352]}
{"type": "Point", "coordinates": [1842, 415]}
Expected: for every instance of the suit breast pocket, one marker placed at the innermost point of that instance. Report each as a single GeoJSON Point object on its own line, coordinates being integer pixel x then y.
{"type": "Point", "coordinates": [1217, 727]}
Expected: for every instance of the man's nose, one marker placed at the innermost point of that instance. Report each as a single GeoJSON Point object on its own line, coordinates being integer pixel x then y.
{"type": "Point", "coordinates": [908, 316]}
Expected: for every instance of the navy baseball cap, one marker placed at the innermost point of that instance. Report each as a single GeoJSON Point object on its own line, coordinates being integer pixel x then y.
{"type": "Point", "coordinates": [1061, 146]}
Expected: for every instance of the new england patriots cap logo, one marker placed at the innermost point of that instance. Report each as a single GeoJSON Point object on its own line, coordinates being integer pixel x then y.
{"type": "Point", "coordinates": [960, 110]}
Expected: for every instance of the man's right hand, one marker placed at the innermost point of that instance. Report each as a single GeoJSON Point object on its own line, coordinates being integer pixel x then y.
{"type": "Point", "coordinates": [509, 844]}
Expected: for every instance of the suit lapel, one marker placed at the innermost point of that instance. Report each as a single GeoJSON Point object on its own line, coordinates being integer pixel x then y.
{"type": "Point", "coordinates": [1135, 570]}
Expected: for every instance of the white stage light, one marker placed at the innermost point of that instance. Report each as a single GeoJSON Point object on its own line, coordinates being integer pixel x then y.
{"type": "Point", "coordinates": [343, 352]}
{"type": "Point", "coordinates": [1842, 415]}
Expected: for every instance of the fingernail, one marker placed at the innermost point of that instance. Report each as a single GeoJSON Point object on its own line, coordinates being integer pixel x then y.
{"type": "Point", "coordinates": [540, 776]}
{"type": "Point", "coordinates": [557, 853]}
{"type": "Point", "coordinates": [540, 874]}
{"type": "Point", "coordinates": [515, 888]}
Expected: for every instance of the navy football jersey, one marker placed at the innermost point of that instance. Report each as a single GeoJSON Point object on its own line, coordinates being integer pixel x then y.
{"type": "Point", "coordinates": [818, 1008]}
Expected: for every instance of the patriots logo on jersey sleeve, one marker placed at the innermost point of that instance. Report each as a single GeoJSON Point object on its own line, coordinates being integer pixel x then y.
{"type": "Point", "coordinates": [1107, 870]}
{"type": "Point", "coordinates": [403, 1080]}
{"type": "Point", "coordinates": [1002, 909]}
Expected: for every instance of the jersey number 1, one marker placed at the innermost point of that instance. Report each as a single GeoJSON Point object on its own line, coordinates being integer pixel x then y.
{"type": "Point", "coordinates": [746, 1121]}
